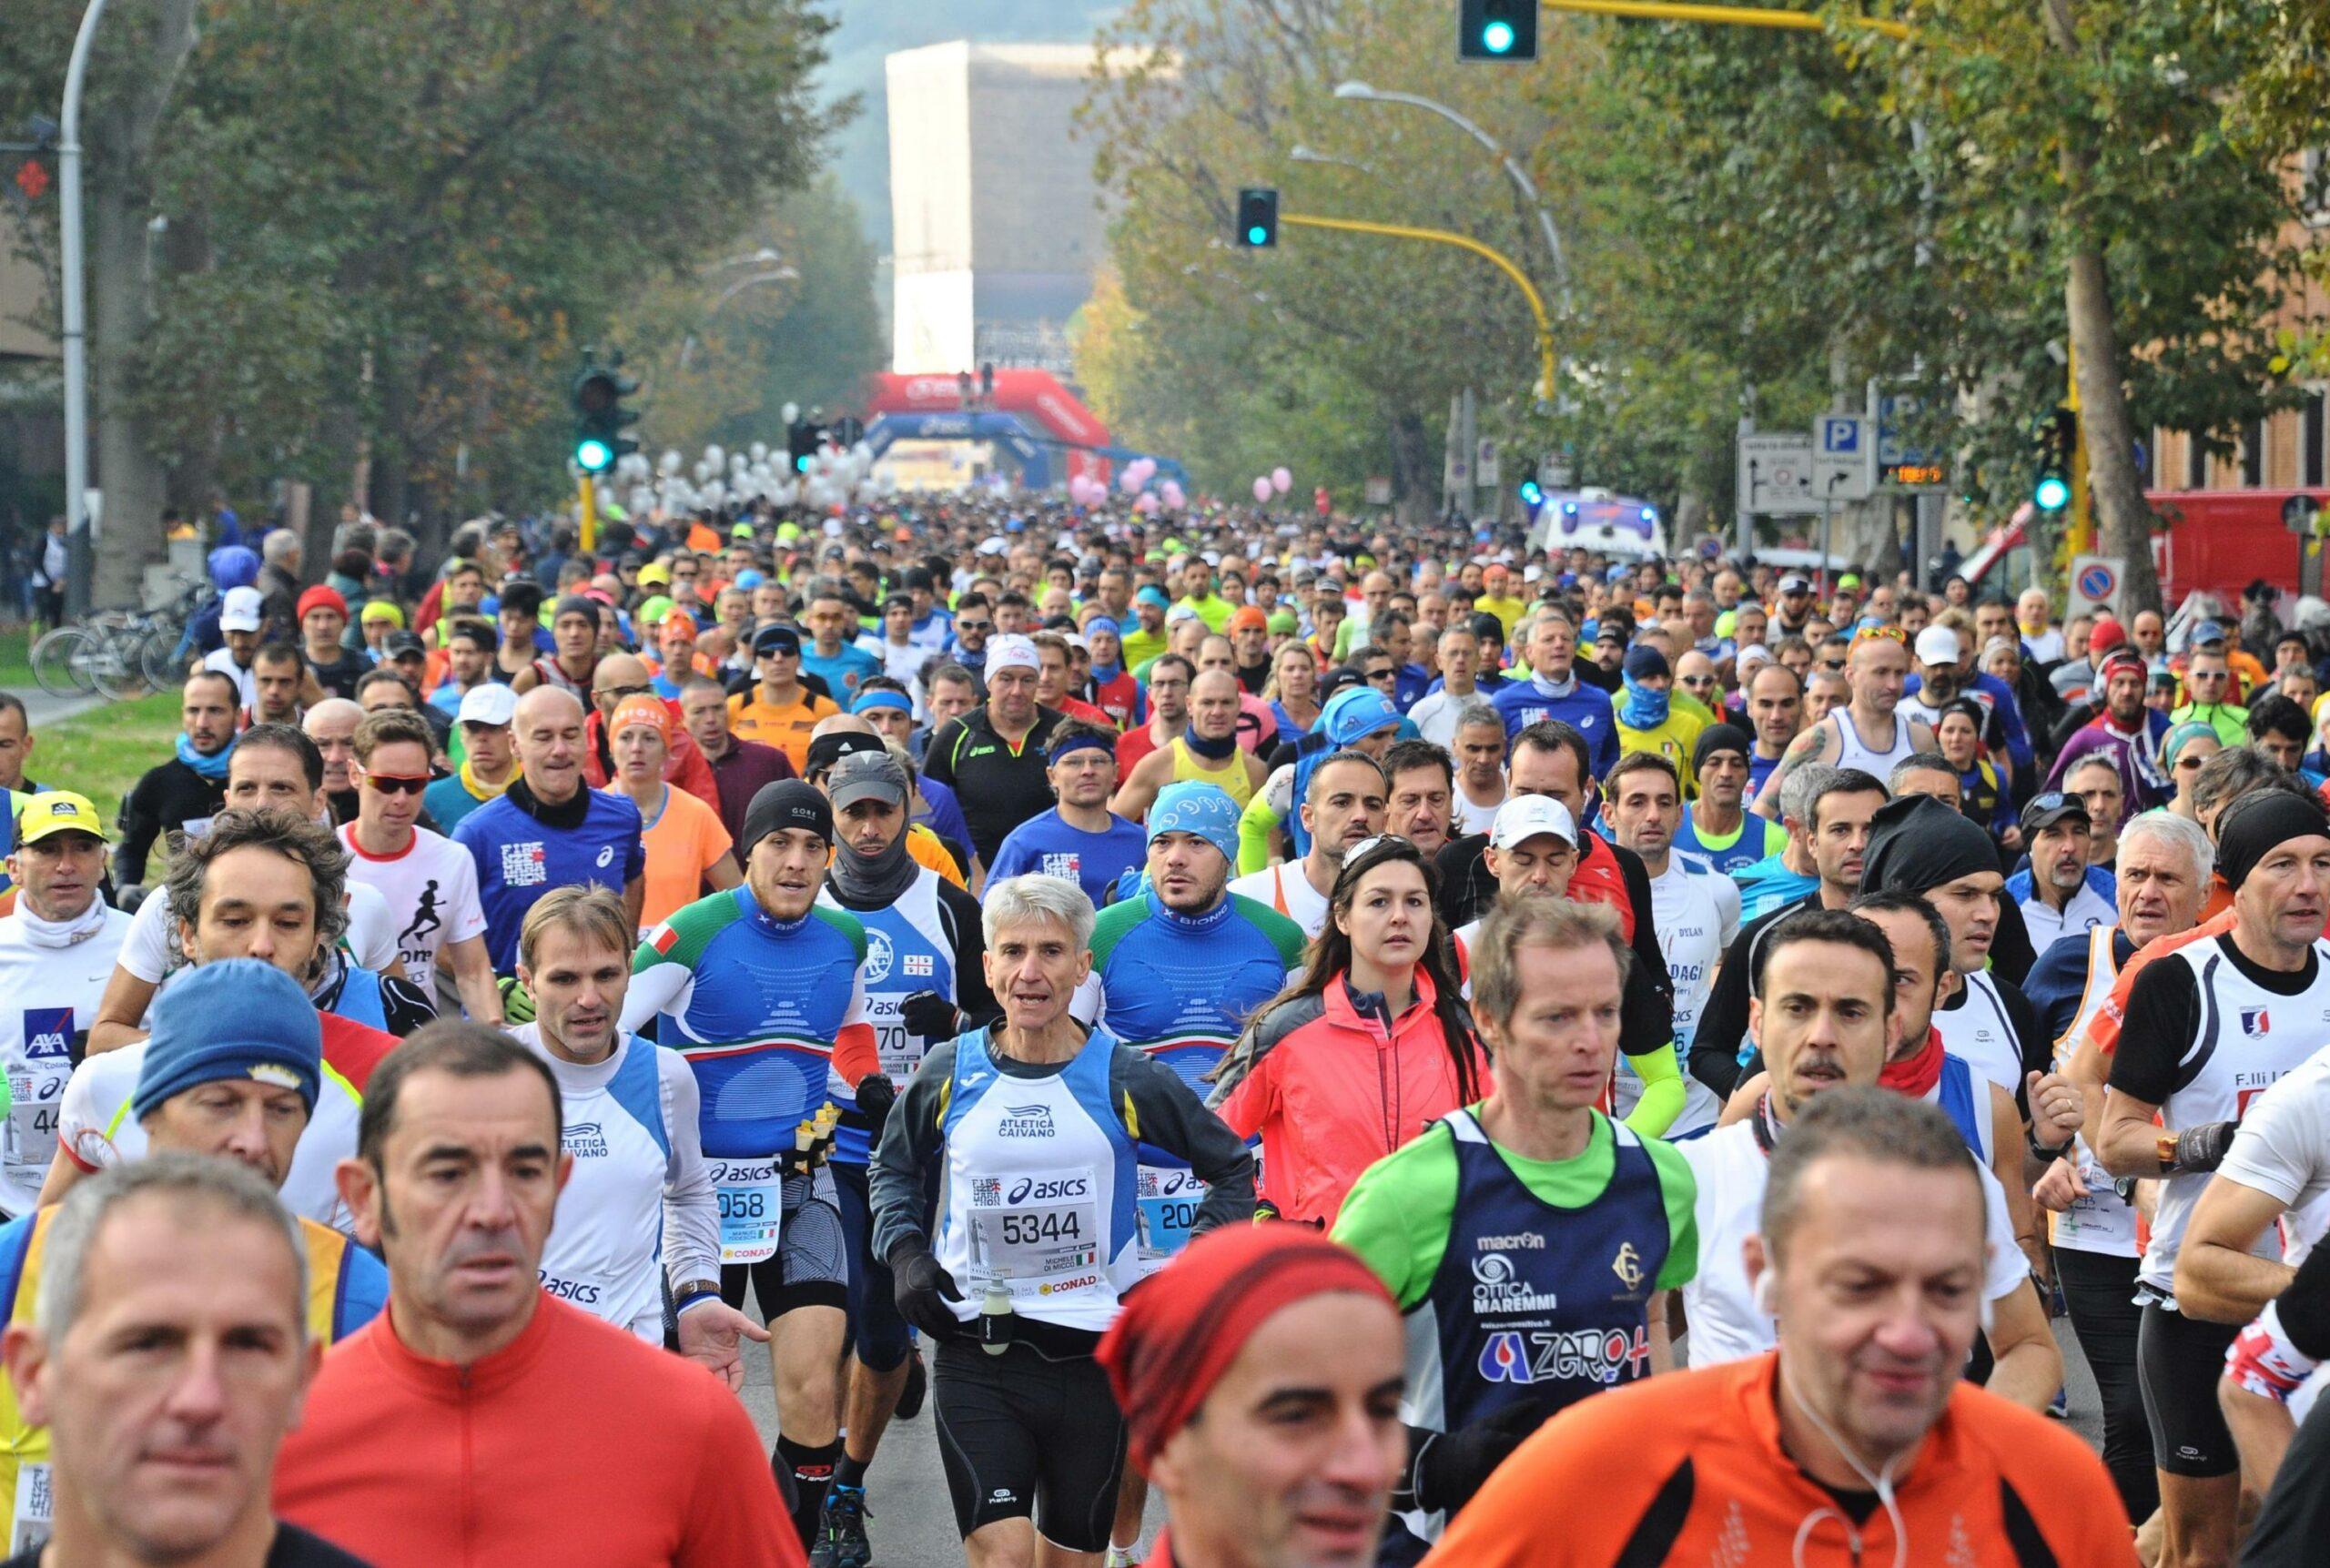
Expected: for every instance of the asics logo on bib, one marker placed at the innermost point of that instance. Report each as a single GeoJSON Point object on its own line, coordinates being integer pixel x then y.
{"type": "Point", "coordinates": [1494, 1288]}
{"type": "Point", "coordinates": [1546, 1355]}
{"type": "Point", "coordinates": [586, 1140]}
{"type": "Point", "coordinates": [48, 1032]}
{"type": "Point", "coordinates": [1029, 1189]}
{"type": "Point", "coordinates": [1024, 1121]}
{"type": "Point", "coordinates": [574, 1290]}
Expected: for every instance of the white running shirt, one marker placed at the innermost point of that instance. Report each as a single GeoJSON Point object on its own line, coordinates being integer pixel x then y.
{"type": "Point", "coordinates": [430, 892]}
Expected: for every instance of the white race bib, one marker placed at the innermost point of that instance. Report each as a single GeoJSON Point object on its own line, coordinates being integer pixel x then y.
{"type": "Point", "coordinates": [34, 1508]}
{"type": "Point", "coordinates": [1031, 1225]}
{"type": "Point", "coordinates": [752, 1208]}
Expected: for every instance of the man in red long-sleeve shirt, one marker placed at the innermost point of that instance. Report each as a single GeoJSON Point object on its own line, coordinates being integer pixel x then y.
{"type": "Point", "coordinates": [479, 1420]}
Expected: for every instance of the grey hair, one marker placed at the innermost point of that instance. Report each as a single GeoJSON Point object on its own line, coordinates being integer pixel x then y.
{"type": "Point", "coordinates": [187, 1178]}
{"type": "Point", "coordinates": [1017, 900]}
{"type": "Point", "coordinates": [2179, 833]}
{"type": "Point", "coordinates": [1803, 786]}
{"type": "Point", "coordinates": [1917, 763]}
{"type": "Point", "coordinates": [1476, 712]}
{"type": "Point", "coordinates": [279, 545]}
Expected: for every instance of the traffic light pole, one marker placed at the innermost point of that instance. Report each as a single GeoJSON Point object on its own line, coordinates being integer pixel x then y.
{"type": "Point", "coordinates": [586, 513]}
{"type": "Point", "coordinates": [1727, 16]}
{"type": "Point", "coordinates": [1545, 389]}
{"type": "Point", "coordinates": [2082, 523]}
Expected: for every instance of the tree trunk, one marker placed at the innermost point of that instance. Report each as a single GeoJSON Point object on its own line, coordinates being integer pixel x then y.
{"type": "Point", "coordinates": [120, 141]}
{"type": "Point", "coordinates": [1415, 478]}
{"type": "Point", "coordinates": [2123, 518]}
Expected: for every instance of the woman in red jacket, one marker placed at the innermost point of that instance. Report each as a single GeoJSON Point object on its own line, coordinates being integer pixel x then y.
{"type": "Point", "coordinates": [1371, 1045]}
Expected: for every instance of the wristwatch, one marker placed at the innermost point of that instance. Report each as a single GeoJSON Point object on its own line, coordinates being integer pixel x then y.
{"type": "Point", "coordinates": [2041, 1151]}
{"type": "Point", "coordinates": [688, 1294]}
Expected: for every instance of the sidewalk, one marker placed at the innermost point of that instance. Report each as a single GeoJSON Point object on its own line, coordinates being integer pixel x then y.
{"type": "Point", "coordinates": [42, 711]}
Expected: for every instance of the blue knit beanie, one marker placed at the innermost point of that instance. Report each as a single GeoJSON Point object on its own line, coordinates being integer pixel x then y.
{"type": "Point", "coordinates": [236, 1018]}
{"type": "Point", "coordinates": [1194, 806]}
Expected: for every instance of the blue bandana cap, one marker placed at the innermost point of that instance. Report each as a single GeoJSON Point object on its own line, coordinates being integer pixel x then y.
{"type": "Point", "coordinates": [1194, 806]}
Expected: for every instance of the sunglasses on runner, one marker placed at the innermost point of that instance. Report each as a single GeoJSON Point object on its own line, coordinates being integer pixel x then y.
{"type": "Point", "coordinates": [397, 783]}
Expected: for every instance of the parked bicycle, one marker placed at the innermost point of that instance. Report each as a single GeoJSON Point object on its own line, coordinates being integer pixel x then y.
{"type": "Point", "coordinates": [117, 653]}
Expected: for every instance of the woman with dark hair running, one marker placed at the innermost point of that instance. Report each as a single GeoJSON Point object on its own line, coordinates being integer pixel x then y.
{"type": "Point", "coordinates": [1368, 1046]}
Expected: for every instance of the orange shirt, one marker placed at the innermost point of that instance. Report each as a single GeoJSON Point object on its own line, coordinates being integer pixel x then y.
{"type": "Point", "coordinates": [576, 1442]}
{"type": "Point", "coordinates": [1704, 1480]}
{"type": "Point", "coordinates": [683, 843]}
{"type": "Point", "coordinates": [786, 728]}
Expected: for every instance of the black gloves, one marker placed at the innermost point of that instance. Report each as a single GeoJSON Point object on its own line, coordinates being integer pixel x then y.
{"type": "Point", "coordinates": [929, 1014]}
{"type": "Point", "coordinates": [922, 1288]}
{"type": "Point", "coordinates": [2202, 1147]}
{"type": "Point", "coordinates": [875, 1094]}
{"type": "Point", "coordinates": [1449, 1467]}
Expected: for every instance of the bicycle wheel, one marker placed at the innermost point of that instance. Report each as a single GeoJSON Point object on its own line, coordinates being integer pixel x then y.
{"type": "Point", "coordinates": [114, 665]}
{"type": "Point", "coordinates": [62, 663]}
{"type": "Point", "coordinates": [153, 660]}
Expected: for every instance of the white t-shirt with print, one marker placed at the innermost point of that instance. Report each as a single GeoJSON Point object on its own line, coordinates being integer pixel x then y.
{"type": "Point", "coordinates": [431, 894]}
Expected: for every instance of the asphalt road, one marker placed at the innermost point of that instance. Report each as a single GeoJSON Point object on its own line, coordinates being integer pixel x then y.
{"type": "Point", "coordinates": [914, 1525]}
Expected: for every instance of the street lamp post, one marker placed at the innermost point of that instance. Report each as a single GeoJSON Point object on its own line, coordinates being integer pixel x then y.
{"type": "Point", "coordinates": [1361, 93]}
{"type": "Point", "coordinates": [74, 325]}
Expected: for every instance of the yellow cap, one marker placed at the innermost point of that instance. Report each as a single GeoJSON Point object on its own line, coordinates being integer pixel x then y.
{"type": "Point", "coordinates": [57, 811]}
{"type": "Point", "coordinates": [654, 572]}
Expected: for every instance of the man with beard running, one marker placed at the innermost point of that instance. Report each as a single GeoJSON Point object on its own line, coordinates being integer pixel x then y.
{"type": "Point", "coordinates": [925, 981]}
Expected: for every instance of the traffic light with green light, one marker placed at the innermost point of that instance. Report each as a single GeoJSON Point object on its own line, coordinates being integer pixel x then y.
{"type": "Point", "coordinates": [1257, 217]}
{"type": "Point", "coordinates": [1496, 29]}
{"type": "Point", "coordinates": [2054, 440]}
{"type": "Point", "coordinates": [1533, 494]}
{"type": "Point", "coordinates": [600, 417]}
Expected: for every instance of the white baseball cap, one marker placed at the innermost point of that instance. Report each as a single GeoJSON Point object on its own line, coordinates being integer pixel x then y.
{"type": "Point", "coordinates": [1006, 651]}
{"type": "Point", "coordinates": [1526, 816]}
{"type": "Point", "coordinates": [1937, 645]}
{"type": "Point", "coordinates": [492, 703]}
{"type": "Point", "coordinates": [239, 610]}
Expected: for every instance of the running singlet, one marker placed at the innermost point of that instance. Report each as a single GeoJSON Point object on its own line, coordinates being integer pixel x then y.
{"type": "Point", "coordinates": [1524, 1281]}
{"type": "Point", "coordinates": [1696, 915]}
{"type": "Point", "coordinates": [907, 949]}
{"type": "Point", "coordinates": [347, 1288]}
{"type": "Point", "coordinates": [1753, 839]}
{"type": "Point", "coordinates": [2100, 1221]}
{"type": "Point", "coordinates": [1230, 776]}
{"type": "Point", "coordinates": [1852, 752]}
{"type": "Point", "coordinates": [771, 1015]}
{"type": "Point", "coordinates": [1181, 988]}
{"type": "Point", "coordinates": [639, 1204]}
{"type": "Point", "coordinates": [1039, 1187]}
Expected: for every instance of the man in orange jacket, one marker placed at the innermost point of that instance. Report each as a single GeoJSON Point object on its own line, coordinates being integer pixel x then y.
{"type": "Point", "coordinates": [1857, 1441]}
{"type": "Point", "coordinates": [479, 1419]}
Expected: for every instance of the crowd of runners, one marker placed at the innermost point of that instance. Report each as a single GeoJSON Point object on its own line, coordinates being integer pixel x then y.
{"type": "Point", "coordinates": [1358, 1046]}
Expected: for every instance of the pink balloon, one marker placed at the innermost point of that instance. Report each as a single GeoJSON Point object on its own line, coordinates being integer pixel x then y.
{"type": "Point", "coordinates": [1128, 482]}
{"type": "Point", "coordinates": [1144, 503]}
{"type": "Point", "coordinates": [1281, 481]}
{"type": "Point", "coordinates": [1263, 487]}
{"type": "Point", "coordinates": [1146, 468]}
{"type": "Point", "coordinates": [1173, 495]}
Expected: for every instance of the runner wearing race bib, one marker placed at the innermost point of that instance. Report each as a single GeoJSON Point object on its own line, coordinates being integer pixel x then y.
{"type": "Point", "coordinates": [1177, 971]}
{"type": "Point", "coordinates": [1030, 1130]}
{"type": "Point", "coordinates": [762, 990]}
{"type": "Point", "coordinates": [922, 973]}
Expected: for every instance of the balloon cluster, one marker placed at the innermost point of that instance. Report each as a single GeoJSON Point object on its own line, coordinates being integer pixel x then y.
{"type": "Point", "coordinates": [835, 477]}
{"type": "Point", "coordinates": [1133, 479]}
{"type": "Point", "coordinates": [1278, 481]}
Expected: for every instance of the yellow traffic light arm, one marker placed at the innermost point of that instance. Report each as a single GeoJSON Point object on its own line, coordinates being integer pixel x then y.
{"type": "Point", "coordinates": [1726, 15]}
{"type": "Point", "coordinates": [1544, 389]}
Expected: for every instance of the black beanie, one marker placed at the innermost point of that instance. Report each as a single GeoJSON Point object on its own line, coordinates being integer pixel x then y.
{"type": "Point", "coordinates": [2257, 824]}
{"type": "Point", "coordinates": [1917, 842]}
{"type": "Point", "coordinates": [1720, 738]}
{"type": "Point", "coordinates": [787, 802]}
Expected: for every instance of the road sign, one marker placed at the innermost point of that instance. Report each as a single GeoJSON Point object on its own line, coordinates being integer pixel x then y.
{"type": "Point", "coordinates": [1379, 490]}
{"type": "Point", "coordinates": [1775, 475]}
{"type": "Point", "coordinates": [1485, 462]}
{"type": "Point", "coordinates": [2095, 583]}
{"type": "Point", "coordinates": [1847, 468]}
{"type": "Point", "coordinates": [1899, 465]}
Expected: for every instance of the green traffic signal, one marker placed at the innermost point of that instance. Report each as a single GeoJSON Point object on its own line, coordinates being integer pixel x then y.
{"type": "Point", "coordinates": [1258, 216]}
{"type": "Point", "coordinates": [592, 455]}
{"type": "Point", "coordinates": [1496, 29]}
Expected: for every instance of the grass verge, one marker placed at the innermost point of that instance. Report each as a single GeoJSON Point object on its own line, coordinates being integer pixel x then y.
{"type": "Point", "coordinates": [102, 753]}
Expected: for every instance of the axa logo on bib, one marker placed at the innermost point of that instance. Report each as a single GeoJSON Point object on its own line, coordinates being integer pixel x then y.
{"type": "Point", "coordinates": [48, 1032]}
